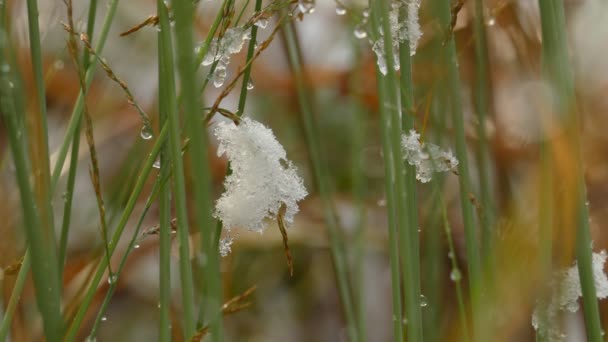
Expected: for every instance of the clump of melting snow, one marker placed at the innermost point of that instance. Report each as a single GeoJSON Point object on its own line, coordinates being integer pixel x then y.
{"type": "Point", "coordinates": [262, 179]}
{"type": "Point", "coordinates": [221, 49]}
{"type": "Point", "coordinates": [426, 157]}
{"type": "Point", "coordinates": [225, 246]}
{"type": "Point", "coordinates": [565, 292]}
{"type": "Point", "coordinates": [400, 32]}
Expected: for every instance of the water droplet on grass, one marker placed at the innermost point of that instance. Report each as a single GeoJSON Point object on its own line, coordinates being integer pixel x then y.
{"type": "Point", "coordinates": [156, 164]}
{"type": "Point", "coordinates": [360, 32]}
{"type": "Point", "coordinates": [261, 23]}
{"type": "Point", "coordinates": [455, 275]}
{"type": "Point", "coordinates": [250, 84]}
{"type": "Point", "coordinates": [146, 132]}
{"type": "Point", "coordinates": [340, 10]}
{"type": "Point", "coordinates": [113, 278]}
{"type": "Point", "coordinates": [423, 301]}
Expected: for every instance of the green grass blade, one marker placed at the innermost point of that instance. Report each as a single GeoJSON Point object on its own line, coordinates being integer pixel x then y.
{"type": "Point", "coordinates": [212, 299]}
{"type": "Point", "coordinates": [321, 176]}
{"type": "Point", "coordinates": [558, 71]}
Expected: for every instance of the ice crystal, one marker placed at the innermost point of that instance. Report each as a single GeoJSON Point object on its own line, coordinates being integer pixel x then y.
{"type": "Point", "coordinates": [225, 246]}
{"type": "Point", "coordinates": [426, 157]}
{"type": "Point", "coordinates": [400, 32]}
{"type": "Point", "coordinates": [565, 292]}
{"type": "Point", "coordinates": [262, 179]}
{"type": "Point", "coordinates": [220, 51]}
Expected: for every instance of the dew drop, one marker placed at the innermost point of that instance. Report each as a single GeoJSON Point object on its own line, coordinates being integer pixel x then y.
{"type": "Point", "coordinates": [491, 21]}
{"type": "Point", "coordinates": [112, 279]}
{"type": "Point", "coordinates": [146, 132]}
{"type": "Point", "coordinates": [423, 301]}
{"type": "Point", "coordinates": [340, 10]}
{"type": "Point", "coordinates": [136, 246]}
{"type": "Point", "coordinates": [360, 32]}
{"type": "Point", "coordinates": [365, 13]}
{"type": "Point", "coordinates": [261, 23]}
{"type": "Point", "coordinates": [455, 275]}
{"type": "Point", "coordinates": [104, 318]}
{"type": "Point", "coordinates": [156, 164]}
{"type": "Point", "coordinates": [306, 7]}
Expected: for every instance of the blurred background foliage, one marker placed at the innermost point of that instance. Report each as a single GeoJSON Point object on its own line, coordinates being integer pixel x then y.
{"type": "Point", "coordinates": [340, 68]}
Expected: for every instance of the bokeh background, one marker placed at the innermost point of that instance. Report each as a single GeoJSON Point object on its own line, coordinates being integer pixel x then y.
{"type": "Point", "coordinates": [340, 67]}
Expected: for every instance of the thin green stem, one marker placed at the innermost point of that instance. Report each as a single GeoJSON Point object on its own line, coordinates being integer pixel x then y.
{"type": "Point", "coordinates": [455, 273]}
{"type": "Point", "coordinates": [305, 102]}
{"type": "Point", "coordinates": [40, 146]}
{"type": "Point", "coordinates": [44, 262]}
{"type": "Point", "coordinates": [558, 71]}
{"type": "Point", "coordinates": [250, 52]}
{"type": "Point", "coordinates": [79, 106]}
{"type": "Point", "coordinates": [411, 250]}
{"type": "Point", "coordinates": [158, 183]}
{"type": "Point", "coordinates": [482, 109]}
{"type": "Point", "coordinates": [164, 107]}
{"type": "Point", "coordinates": [212, 296]}
{"type": "Point", "coordinates": [128, 209]}
{"type": "Point", "coordinates": [455, 98]}
{"type": "Point", "coordinates": [166, 57]}
{"type": "Point", "coordinates": [359, 192]}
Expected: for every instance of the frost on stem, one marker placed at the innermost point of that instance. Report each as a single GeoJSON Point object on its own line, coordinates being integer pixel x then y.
{"type": "Point", "coordinates": [565, 292]}
{"type": "Point", "coordinates": [221, 49]}
{"type": "Point", "coordinates": [426, 157]}
{"type": "Point", "coordinates": [262, 178]}
{"type": "Point", "coordinates": [401, 32]}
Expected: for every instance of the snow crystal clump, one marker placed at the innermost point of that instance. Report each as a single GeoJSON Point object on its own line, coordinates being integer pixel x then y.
{"type": "Point", "coordinates": [262, 179]}
{"type": "Point", "coordinates": [400, 32]}
{"type": "Point", "coordinates": [220, 50]}
{"type": "Point", "coordinates": [565, 291]}
{"type": "Point", "coordinates": [426, 157]}
{"type": "Point", "coordinates": [225, 246]}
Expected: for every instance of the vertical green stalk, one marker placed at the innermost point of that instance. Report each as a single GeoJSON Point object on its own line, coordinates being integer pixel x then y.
{"type": "Point", "coordinates": [250, 52]}
{"type": "Point", "coordinates": [69, 193]}
{"type": "Point", "coordinates": [453, 86]}
{"type": "Point", "coordinates": [166, 56]}
{"type": "Point", "coordinates": [558, 72]}
{"type": "Point", "coordinates": [165, 77]}
{"type": "Point", "coordinates": [40, 146]}
{"type": "Point", "coordinates": [455, 273]}
{"type": "Point", "coordinates": [482, 109]}
{"type": "Point", "coordinates": [398, 178]}
{"type": "Point", "coordinates": [128, 209]}
{"type": "Point", "coordinates": [412, 249]}
{"type": "Point", "coordinates": [79, 106]}
{"type": "Point", "coordinates": [212, 296]}
{"type": "Point", "coordinates": [44, 262]}
{"type": "Point", "coordinates": [393, 241]}
{"type": "Point", "coordinates": [358, 189]}
{"type": "Point", "coordinates": [305, 102]}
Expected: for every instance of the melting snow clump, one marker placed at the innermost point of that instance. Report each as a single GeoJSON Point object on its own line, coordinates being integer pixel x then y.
{"type": "Point", "coordinates": [262, 179]}
{"type": "Point", "coordinates": [426, 157]}
{"type": "Point", "coordinates": [400, 32]}
{"type": "Point", "coordinates": [565, 291]}
{"type": "Point", "coordinates": [220, 50]}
